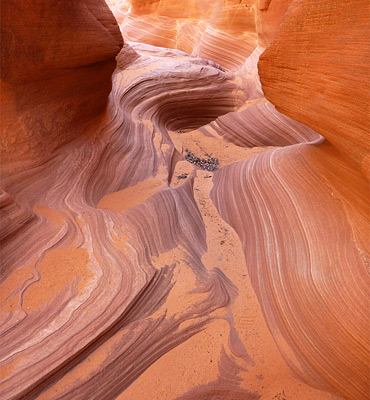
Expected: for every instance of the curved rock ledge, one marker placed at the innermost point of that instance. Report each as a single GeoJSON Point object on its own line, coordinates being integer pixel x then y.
{"type": "Point", "coordinates": [130, 273]}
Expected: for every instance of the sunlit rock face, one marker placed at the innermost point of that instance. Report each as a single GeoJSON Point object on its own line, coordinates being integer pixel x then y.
{"type": "Point", "coordinates": [334, 200]}
{"type": "Point", "coordinates": [130, 269]}
{"type": "Point", "coordinates": [226, 32]}
{"type": "Point", "coordinates": [49, 60]}
{"type": "Point", "coordinates": [315, 53]}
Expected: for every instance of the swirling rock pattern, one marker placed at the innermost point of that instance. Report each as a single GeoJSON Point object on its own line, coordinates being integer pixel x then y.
{"type": "Point", "coordinates": [296, 270]}
{"type": "Point", "coordinates": [224, 31]}
{"type": "Point", "coordinates": [47, 66]}
{"type": "Point", "coordinates": [221, 31]}
{"type": "Point", "coordinates": [122, 280]}
{"type": "Point", "coordinates": [341, 88]}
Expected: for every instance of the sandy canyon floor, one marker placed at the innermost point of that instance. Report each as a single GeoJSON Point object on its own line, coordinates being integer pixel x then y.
{"type": "Point", "coordinates": [130, 273]}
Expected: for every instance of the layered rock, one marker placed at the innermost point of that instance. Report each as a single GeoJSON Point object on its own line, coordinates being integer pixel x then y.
{"type": "Point", "coordinates": [304, 239]}
{"type": "Point", "coordinates": [224, 32]}
{"type": "Point", "coordinates": [130, 273]}
{"type": "Point", "coordinates": [270, 14]}
{"type": "Point", "coordinates": [304, 226]}
{"type": "Point", "coordinates": [92, 301]}
{"type": "Point", "coordinates": [317, 72]}
{"type": "Point", "coordinates": [49, 60]}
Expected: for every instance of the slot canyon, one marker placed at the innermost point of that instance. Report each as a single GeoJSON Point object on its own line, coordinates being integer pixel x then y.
{"type": "Point", "coordinates": [185, 200]}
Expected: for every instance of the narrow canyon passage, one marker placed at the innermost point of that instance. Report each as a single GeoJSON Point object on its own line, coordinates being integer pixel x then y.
{"type": "Point", "coordinates": [129, 272]}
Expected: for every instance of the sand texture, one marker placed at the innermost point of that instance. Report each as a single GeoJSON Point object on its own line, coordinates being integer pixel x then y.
{"type": "Point", "coordinates": [130, 268]}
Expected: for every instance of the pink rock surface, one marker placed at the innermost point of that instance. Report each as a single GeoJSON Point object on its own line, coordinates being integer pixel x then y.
{"type": "Point", "coordinates": [221, 31]}
{"type": "Point", "coordinates": [306, 249]}
{"type": "Point", "coordinates": [49, 59]}
{"type": "Point", "coordinates": [129, 273]}
{"type": "Point", "coordinates": [330, 51]}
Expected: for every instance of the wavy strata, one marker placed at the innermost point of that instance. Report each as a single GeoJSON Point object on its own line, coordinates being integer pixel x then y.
{"type": "Point", "coordinates": [295, 269]}
{"type": "Point", "coordinates": [129, 273]}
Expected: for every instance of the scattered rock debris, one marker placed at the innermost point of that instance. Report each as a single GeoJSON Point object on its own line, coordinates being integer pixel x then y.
{"type": "Point", "coordinates": [180, 131]}
{"type": "Point", "coordinates": [182, 176]}
{"type": "Point", "coordinates": [208, 164]}
{"type": "Point", "coordinates": [280, 396]}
